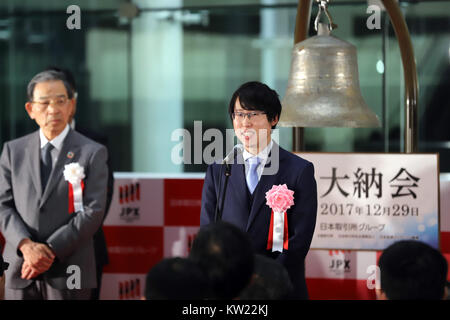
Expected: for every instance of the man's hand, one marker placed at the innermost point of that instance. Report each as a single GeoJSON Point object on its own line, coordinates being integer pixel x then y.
{"type": "Point", "coordinates": [38, 258]}
{"type": "Point", "coordinates": [28, 272]}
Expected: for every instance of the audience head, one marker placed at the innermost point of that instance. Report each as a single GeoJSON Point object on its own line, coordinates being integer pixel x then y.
{"type": "Point", "coordinates": [224, 253]}
{"type": "Point", "coordinates": [412, 270]}
{"type": "Point", "coordinates": [270, 281]}
{"type": "Point", "coordinates": [176, 279]}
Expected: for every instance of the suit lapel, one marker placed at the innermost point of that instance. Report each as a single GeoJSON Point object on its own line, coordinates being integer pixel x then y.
{"type": "Point", "coordinates": [34, 161]}
{"type": "Point", "coordinates": [238, 186]}
{"type": "Point", "coordinates": [57, 173]}
{"type": "Point", "coordinates": [265, 184]}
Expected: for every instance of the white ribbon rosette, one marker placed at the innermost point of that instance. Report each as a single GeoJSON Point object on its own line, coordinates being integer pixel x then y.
{"type": "Point", "coordinates": [74, 174]}
{"type": "Point", "coordinates": [279, 199]}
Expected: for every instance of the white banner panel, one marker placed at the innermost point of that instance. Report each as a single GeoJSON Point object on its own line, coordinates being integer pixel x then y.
{"type": "Point", "coordinates": [137, 202]}
{"type": "Point", "coordinates": [369, 201]}
{"type": "Point", "coordinates": [339, 264]}
{"type": "Point", "coordinates": [178, 240]}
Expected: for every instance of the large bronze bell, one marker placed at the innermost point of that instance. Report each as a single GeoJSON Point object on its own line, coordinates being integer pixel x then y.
{"type": "Point", "coordinates": [323, 88]}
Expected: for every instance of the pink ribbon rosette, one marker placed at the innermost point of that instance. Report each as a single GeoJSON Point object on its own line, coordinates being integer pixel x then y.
{"type": "Point", "coordinates": [279, 199]}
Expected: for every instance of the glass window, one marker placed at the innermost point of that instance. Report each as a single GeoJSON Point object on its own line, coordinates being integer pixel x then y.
{"type": "Point", "coordinates": [161, 81]}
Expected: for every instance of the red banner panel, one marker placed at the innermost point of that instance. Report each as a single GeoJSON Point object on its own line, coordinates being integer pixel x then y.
{"type": "Point", "coordinates": [133, 249]}
{"type": "Point", "coordinates": [182, 202]}
{"type": "Point", "coordinates": [445, 242]}
{"type": "Point", "coordinates": [337, 289]}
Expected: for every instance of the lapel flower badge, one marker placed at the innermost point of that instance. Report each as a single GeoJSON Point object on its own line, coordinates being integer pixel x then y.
{"type": "Point", "coordinates": [74, 175]}
{"type": "Point", "coordinates": [279, 199]}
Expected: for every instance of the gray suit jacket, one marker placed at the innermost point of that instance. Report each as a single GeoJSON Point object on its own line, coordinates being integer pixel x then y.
{"type": "Point", "coordinates": [26, 211]}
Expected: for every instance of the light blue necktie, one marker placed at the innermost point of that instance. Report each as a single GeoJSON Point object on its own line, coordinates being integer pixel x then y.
{"type": "Point", "coordinates": [252, 174]}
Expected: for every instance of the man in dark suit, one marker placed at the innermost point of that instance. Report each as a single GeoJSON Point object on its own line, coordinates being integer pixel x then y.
{"type": "Point", "coordinates": [255, 110]}
{"type": "Point", "coordinates": [48, 222]}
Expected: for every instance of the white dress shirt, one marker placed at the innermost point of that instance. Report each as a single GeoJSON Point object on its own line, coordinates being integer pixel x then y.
{"type": "Point", "coordinates": [56, 143]}
{"type": "Point", "coordinates": [263, 155]}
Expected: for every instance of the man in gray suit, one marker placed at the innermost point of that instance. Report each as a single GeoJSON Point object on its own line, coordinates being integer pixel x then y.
{"type": "Point", "coordinates": [48, 222]}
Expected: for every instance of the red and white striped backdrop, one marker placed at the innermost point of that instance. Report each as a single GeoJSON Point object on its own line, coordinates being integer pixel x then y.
{"type": "Point", "coordinates": [154, 216]}
{"type": "Point", "coordinates": [140, 230]}
{"type": "Point", "coordinates": [164, 219]}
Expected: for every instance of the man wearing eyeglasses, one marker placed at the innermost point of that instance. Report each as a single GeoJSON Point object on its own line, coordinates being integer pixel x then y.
{"type": "Point", "coordinates": [255, 110]}
{"type": "Point", "coordinates": [48, 223]}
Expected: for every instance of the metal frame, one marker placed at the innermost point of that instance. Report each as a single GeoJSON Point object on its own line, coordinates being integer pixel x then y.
{"type": "Point", "coordinates": [409, 70]}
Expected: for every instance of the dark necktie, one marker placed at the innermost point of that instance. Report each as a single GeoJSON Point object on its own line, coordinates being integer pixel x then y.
{"type": "Point", "coordinates": [46, 164]}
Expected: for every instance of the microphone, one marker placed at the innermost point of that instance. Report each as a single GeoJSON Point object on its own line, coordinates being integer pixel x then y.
{"type": "Point", "coordinates": [237, 150]}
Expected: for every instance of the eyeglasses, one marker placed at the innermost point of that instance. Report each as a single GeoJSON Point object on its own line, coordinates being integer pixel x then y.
{"type": "Point", "coordinates": [242, 115]}
{"type": "Point", "coordinates": [57, 102]}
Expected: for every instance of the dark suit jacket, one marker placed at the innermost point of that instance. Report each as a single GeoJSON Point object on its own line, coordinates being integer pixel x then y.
{"type": "Point", "coordinates": [27, 211]}
{"type": "Point", "coordinates": [298, 175]}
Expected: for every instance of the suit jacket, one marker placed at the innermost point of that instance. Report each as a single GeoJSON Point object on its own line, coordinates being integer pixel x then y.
{"type": "Point", "coordinates": [254, 218]}
{"type": "Point", "coordinates": [26, 211]}
{"type": "Point", "coordinates": [100, 247]}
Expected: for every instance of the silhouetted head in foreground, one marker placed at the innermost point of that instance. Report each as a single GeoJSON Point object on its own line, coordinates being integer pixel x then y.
{"type": "Point", "coordinates": [412, 270]}
{"type": "Point", "coordinates": [224, 253]}
{"type": "Point", "coordinates": [270, 281]}
{"type": "Point", "coordinates": [176, 279]}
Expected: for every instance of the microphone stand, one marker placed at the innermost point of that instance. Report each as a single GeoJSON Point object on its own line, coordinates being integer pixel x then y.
{"type": "Point", "coordinates": [221, 198]}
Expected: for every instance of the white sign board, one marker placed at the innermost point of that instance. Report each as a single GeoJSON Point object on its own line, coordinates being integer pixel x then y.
{"type": "Point", "coordinates": [369, 201]}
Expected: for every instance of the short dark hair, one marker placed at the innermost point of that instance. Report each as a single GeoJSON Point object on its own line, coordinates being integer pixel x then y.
{"type": "Point", "coordinates": [255, 95]}
{"type": "Point", "coordinates": [270, 281]}
{"type": "Point", "coordinates": [412, 270]}
{"type": "Point", "coordinates": [176, 279]}
{"type": "Point", "coordinates": [69, 76]}
{"type": "Point", "coordinates": [225, 254]}
{"type": "Point", "coordinates": [49, 75]}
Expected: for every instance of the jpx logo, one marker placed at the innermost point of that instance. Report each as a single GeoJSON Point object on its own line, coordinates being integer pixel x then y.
{"type": "Point", "coordinates": [130, 289]}
{"type": "Point", "coordinates": [129, 214]}
{"type": "Point", "coordinates": [129, 194]}
{"type": "Point", "coordinates": [339, 264]}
